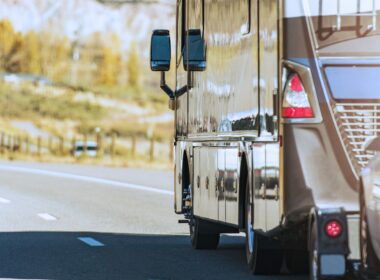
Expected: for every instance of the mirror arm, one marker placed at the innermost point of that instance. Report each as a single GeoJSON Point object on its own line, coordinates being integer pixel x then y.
{"type": "Point", "coordinates": [165, 87]}
{"type": "Point", "coordinates": [172, 94]}
{"type": "Point", "coordinates": [189, 86]}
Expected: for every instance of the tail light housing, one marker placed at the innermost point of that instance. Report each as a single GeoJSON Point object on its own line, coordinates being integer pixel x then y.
{"type": "Point", "coordinates": [296, 102]}
{"type": "Point", "coordinates": [333, 228]}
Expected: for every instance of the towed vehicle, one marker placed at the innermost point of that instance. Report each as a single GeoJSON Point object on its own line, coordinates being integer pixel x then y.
{"type": "Point", "coordinates": [273, 102]}
{"type": "Point", "coordinates": [370, 213]}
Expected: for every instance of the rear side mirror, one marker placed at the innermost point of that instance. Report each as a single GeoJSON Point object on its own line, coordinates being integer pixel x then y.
{"type": "Point", "coordinates": [160, 51]}
{"type": "Point", "coordinates": [194, 53]}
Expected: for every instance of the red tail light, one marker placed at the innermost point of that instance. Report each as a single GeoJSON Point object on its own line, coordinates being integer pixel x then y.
{"type": "Point", "coordinates": [296, 102]}
{"type": "Point", "coordinates": [333, 229]}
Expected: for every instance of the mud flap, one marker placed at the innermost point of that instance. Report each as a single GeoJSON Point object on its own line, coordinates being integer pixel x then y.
{"type": "Point", "coordinates": [331, 252]}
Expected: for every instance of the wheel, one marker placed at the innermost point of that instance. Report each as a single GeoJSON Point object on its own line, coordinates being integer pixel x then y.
{"type": "Point", "coordinates": [370, 262]}
{"type": "Point", "coordinates": [264, 256]}
{"type": "Point", "coordinates": [201, 239]}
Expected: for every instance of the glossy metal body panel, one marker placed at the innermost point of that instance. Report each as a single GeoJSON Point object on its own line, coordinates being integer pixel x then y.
{"type": "Point", "coordinates": [224, 98]}
{"type": "Point", "coordinates": [181, 74]}
{"type": "Point", "coordinates": [230, 111]}
{"type": "Point", "coordinates": [216, 183]}
{"type": "Point", "coordinates": [267, 193]}
{"type": "Point", "coordinates": [231, 184]}
{"type": "Point", "coordinates": [313, 175]}
{"type": "Point", "coordinates": [230, 104]}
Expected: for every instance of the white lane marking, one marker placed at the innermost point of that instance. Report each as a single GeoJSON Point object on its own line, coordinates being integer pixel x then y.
{"type": "Point", "coordinates": [4, 200]}
{"type": "Point", "coordinates": [47, 217]}
{"type": "Point", "coordinates": [85, 178]}
{"type": "Point", "coordinates": [91, 241]}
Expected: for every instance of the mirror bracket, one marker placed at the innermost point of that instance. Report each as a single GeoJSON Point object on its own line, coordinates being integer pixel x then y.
{"type": "Point", "coordinates": [173, 94]}
{"type": "Point", "coordinates": [165, 87]}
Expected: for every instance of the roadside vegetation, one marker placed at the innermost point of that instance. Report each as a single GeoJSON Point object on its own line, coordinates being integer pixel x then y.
{"type": "Point", "coordinates": [87, 89]}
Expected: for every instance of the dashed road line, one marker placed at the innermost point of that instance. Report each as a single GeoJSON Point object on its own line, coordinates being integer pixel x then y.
{"type": "Point", "coordinates": [91, 241]}
{"type": "Point", "coordinates": [47, 217]}
{"type": "Point", "coordinates": [4, 200]}
{"type": "Point", "coordinates": [86, 179]}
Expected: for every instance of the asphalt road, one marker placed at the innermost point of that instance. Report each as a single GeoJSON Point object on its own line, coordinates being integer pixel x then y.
{"type": "Point", "coordinates": [71, 222]}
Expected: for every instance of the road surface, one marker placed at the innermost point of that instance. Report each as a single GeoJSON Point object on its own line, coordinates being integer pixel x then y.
{"type": "Point", "coordinates": [72, 222]}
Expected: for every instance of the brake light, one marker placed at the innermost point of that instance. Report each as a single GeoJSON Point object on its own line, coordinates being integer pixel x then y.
{"type": "Point", "coordinates": [333, 229]}
{"type": "Point", "coordinates": [296, 102]}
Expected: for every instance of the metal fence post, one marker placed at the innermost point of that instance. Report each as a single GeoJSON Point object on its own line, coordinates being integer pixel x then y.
{"type": "Point", "coordinates": [39, 145]}
{"type": "Point", "coordinates": [61, 146]}
{"type": "Point", "coordinates": [99, 143]}
{"type": "Point", "coordinates": [113, 145]}
{"type": "Point", "coordinates": [151, 149]}
{"type": "Point", "coordinates": [171, 149]}
{"type": "Point", "coordinates": [27, 144]}
{"type": "Point", "coordinates": [2, 142]}
{"type": "Point", "coordinates": [133, 148]}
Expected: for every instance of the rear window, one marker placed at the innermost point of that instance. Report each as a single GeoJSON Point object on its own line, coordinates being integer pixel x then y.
{"type": "Point", "coordinates": [354, 82]}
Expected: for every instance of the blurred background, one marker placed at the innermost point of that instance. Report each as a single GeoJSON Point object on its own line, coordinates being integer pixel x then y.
{"type": "Point", "coordinates": [75, 83]}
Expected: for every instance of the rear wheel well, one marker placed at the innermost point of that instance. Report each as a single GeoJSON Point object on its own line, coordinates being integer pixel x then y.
{"type": "Point", "coordinates": [185, 175]}
{"type": "Point", "coordinates": [242, 190]}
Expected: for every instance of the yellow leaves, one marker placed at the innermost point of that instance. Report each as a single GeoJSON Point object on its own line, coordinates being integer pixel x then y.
{"type": "Point", "coordinates": [97, 59]}
{"type": "Point", "coordinates": [31, 54]}
{"type": "Point", "coordinates": [133, 67]}
{"type": "Point", "coordinates": [10, 46]}
{"type": "Point", "coordinates": [7, 37]}
{"type": "Point", "coordinates": [110, 62]}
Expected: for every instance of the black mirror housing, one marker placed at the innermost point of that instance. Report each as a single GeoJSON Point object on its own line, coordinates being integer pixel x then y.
{"type": "Point", "coordinates": [194, 53]}
{"type": "Point", "coordinates": [160, 50]}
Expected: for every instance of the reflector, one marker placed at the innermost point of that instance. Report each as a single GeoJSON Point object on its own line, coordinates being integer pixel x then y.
{"type": "Point", "coordinates": [333, 228]}
{"type": "Point", "coordinates": [296, 84]}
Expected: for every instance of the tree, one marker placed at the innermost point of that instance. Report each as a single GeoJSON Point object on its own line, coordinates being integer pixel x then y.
{"type": "Point", "coordinates": [10, 47]}
{"type": "Point", "coordinates": [60, 59]}
{"type": "Point", "coordinates": [133, 67]}
{"type": "Point", "coordinates": [32, 54]}
{"type": "Point", "coordinates": [110, 63]}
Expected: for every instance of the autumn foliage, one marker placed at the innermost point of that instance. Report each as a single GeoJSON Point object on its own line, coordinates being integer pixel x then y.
{"type": "Point", "coordinates": [95, 60]}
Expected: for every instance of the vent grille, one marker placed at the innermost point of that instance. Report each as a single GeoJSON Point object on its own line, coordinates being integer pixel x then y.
{"type": "Point", "coordinates": [357, 123]}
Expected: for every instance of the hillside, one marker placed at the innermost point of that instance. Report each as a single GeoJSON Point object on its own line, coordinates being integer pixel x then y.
{"type": "Point", "coordinates": [81, 18]}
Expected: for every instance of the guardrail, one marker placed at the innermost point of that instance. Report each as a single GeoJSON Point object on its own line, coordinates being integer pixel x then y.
{"type": "Point", "coordinates": [110, 146]}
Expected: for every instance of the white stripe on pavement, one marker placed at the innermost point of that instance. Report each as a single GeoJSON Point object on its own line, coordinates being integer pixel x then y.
{"type": "Point", "coordinates": [4, 200]}
{"type": "Point", "coordinates": [47, 217]}
{"type": "Point", "coordinates": [91, 241]}
{"type": "Point", "coordinates": [85, 178]}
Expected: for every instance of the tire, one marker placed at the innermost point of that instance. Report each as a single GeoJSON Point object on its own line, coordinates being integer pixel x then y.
{"type": "Point", "coordinates": [260, 259]}
{"type": "Point", "coordinates": [314, 269]}
{"type": "Point", "coordinates": [370, 262]}
{"type": "Point", "coordinates": [202, 240]}
{"type": "Point", "coordinates": [297, 262]}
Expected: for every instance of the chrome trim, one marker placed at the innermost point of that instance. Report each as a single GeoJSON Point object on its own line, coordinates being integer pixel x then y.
{"type": "Point", "coordinates": [349, 59]}
{"type": "Point", "coordinates": [373, 15]}
{"type": "Point", "coordinates": [357, 123]}
{"type": "Point", "coordinates": [235, 136]}
{"type": "Point", "coordinates": [308, 83]}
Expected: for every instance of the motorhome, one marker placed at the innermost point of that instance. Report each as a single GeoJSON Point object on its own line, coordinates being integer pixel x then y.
{"type": "Point", "coordinates": [273, 102]}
